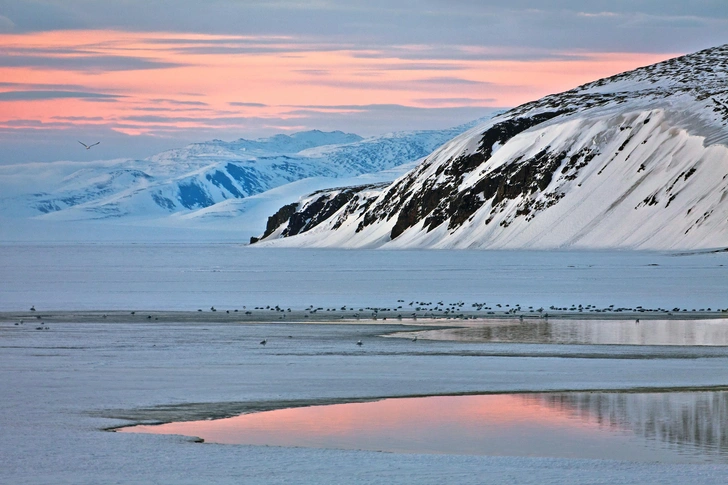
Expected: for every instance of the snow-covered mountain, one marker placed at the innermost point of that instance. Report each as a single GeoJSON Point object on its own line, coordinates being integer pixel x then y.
{"type": "Point", "coordinates": [211, 181]}
{"type": "Point", "coordinates": [637, 160]}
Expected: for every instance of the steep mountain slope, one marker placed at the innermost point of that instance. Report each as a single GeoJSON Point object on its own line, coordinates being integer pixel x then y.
{"type": "Point", "coordinates": [637, 160]}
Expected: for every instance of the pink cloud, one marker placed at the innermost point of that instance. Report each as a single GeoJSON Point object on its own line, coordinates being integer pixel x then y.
{"type": "Point", "coordinates": [264, 77]}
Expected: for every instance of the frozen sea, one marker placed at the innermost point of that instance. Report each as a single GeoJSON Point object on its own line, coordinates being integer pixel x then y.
{"type": "Point", "coordinates": [62, 387]}
{"type": "Point", "coordinates": [107, 276]}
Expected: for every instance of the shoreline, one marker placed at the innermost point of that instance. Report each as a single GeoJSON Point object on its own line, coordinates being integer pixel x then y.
{"type": "Point", "coordinates": [198, 411]}
{"type": "Point", "coordinates": [348, 317]}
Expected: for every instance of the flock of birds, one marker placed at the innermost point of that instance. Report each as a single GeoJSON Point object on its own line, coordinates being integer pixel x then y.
{"type": "Point", "coordinates": [263, 342]}
{"type": "Point", "coordinates": [439, 310]}
{"type": "Point", "coordinates": [42, 325]}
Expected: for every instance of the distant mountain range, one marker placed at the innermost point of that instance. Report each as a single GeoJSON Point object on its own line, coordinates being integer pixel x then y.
{"type": "Point", "coordinates": [638, 160]}
{"type": "Point", "coordinates": [231, 186]}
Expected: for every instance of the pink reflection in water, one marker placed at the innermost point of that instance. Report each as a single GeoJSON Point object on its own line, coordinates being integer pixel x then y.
{"type": "Point", "coordinates": [506, 425]}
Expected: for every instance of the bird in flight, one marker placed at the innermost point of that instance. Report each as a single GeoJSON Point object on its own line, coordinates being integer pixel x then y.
{"type": "Point", "coordinates": [88, 147]}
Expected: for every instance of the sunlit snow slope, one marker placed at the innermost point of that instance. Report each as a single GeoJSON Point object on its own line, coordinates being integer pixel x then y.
{"type": "Point", "coordinates": [638, 160]}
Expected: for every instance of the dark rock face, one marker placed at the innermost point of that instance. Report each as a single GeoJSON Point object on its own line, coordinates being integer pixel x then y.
{"type": "Point", "coordinates": [279, 218]}
{"type": "Point", "coordinates": [436, 202]}
{"type": "Point", "coordinates": [505, 130]}
{"type": "Point", "coordinates": [303, 217]}
{"type": "Point", "coordinates": [316, 212]}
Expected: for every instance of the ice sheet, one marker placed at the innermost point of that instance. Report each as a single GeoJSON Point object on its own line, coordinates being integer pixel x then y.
{"type": "Point", "coordinates": [58, 385]}
{"type": "Point", "coordinates": [187, 277]}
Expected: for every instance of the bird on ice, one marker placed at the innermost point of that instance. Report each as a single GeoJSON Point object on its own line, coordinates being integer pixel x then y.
{"type": "Point", "coordinates": [88, 147]}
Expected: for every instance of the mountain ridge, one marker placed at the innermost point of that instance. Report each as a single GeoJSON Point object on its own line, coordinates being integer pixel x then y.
{"type": "Point", "coordinates": [637, 160]}
{"type": "Point", "coordinates": [214, 185]}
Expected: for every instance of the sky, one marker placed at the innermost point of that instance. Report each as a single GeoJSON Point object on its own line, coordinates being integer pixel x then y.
{"type": "Point", "coordinates": [142, 76]}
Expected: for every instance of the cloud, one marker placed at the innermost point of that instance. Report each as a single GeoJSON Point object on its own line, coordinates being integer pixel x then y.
{"type": "Point", "coordinates": [178, 102]}
{"type": "Point", "coordinates": [339, 107]}
{"type": "Point", "coordinates": [365, 120]}
{"type": "Point", "coordinates": [46, 95]}
{"type": "Point", "coordinates": [313, 72]}
{"type": "Point", "coordinates": [248, 105]}
{"type": "Point", "coordinates": [162, 109]}
{"type": "Point", "coordinates": [428, 83]}
{"type": "Point", "coordinates": [369, 120]}
{"type": "Point", "coordinates": [380, 111]}
{"type": "Point", "coordinates": [78, 118]}
{"type": "Point", "coordinates": [451, 81]}
{"type": "Point", "coordinates": [45, 86]}
{"type": "Point", "coordinates": [85, 63]}
{"type": "Point", "coordinates": [100, 100]}
{"type": "Point", "coordinates": [553, 25]}
{"type": "Point", "coordinates": [456, 101]}
{"type": "Point", "coordinates": [31, 140]}
{"type": "Point", "coordinates": [294, 47]}
{"type": "Point", "coordinates": [598, 14]}
{"type": "Point", "coordinates": [419, 66]}
{"type": "Point", "coordinates": [217, 120]}
{"type": "Point", "coordinates": [662, 22]}
{"type": "Point", "coordinates": [440, 55]}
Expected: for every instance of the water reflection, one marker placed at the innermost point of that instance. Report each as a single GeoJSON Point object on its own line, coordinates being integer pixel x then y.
{"type": "Point", "coordinates": [694, 421]}
{"type": "Point", "coordinates": [591, 332]}
{"type": "Point", "coordinates": [689, 427]}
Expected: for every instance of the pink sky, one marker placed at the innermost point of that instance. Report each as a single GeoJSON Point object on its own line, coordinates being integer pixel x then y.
{"type": "Point", "coordinates": [157, 83]}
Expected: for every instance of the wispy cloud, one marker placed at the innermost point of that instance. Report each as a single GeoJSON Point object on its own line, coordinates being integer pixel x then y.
{"type": "Point", "coordinates": [151, 85]}
{"type": "Point", "coordinates": [78, 118]}
{"type": "Point", "coordinates": [178, 102]}
{"type": "Point", "coordinates": [420, 66]}
{"type": "Point", "coordinates": [167, 109]}
{"type": "Point", "coordinates": [85, 63]}
{"type": "Point", "coordinates": [48, 95]}
{"type": "Point", "coordinates": [248, 105]}
{"type": "Point", "coordinates": [44, 86]}
{"type": "Point", "coordinates": [314, 72]}
{"type": "Point", "coordinates": [598, 14]}
{"type": "Point", "coordinates": [450, 81]}
{"type": "Point", "coordinates": [456, 101]}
